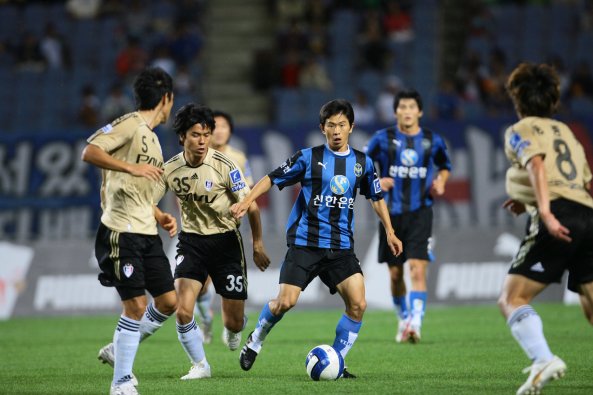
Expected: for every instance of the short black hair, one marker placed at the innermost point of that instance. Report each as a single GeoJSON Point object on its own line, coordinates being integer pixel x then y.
{"type": "Point", "coordinates": [190, 115]}
{"type": "Point", "coordinates": [534, 89]}
{"type": "Point", "coordinates": [150, 86]}
{"type": "Point", "coordinates": [334, 107]}
{"type": "Point", "coordinates": [227, 116]}
{"type": "Point", "coordinates": [407, 94]}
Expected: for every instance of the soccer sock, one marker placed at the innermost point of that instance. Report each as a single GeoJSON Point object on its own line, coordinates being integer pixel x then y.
{"type": "Point", "coordinates": [346, 334]}
{"type": "Point", "coordinates": [418, 306]}
{"type": "Point", "coordinates": [125, 344]}
{"type": "Point", "coordinates": [192, 341]}
{"type": "Point", "coordinates": [401, 306]}
{"type": "Point", "coordinates": [265, 323]}
{"type": "Point", "coordinates": [527, 328]}
{"type": "Point", "coordinates": [204, 304]}
{"type": "Point", "coordinates": [151, 321]}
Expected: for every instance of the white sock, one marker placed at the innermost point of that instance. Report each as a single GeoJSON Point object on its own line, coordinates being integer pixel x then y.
{"type": "Point", "coordinates": [151, 321]}
{"type": "Point", "coordinates": [125, 344]}
{"type": "Point", "coordinates": [527, 328]}
{"type": "Point", "coordinates": [192, 341]}
{"type": "Point", "coordinates": [204, 304]}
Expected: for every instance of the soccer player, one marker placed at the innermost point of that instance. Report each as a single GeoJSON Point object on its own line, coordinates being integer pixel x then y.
{"type": "Point", "coordinates": [207, 183]}
{"type": "Point", "coordinates": [407, 155]}
{"type": "Point", "coordinates": [221, 135]}
{"type": "Point", "coordinates": [127, 246]}
{"type": "Point", "coordinates": [549, 179]}
{"type": "Point", "coordinates": [320, 228]}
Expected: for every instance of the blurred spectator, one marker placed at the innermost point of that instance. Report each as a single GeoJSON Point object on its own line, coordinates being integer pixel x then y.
{"type": "Point", "coordinates": [54, 48]}
{"type": "Point", "coordinates": [579, 103]}
{"type": "Point", "coordinates": [112, 8]}
{"type": "Point", "coordinates": [384, 104]}
{"type": "Point", "coordinates": [289, 10]}
{"type": "Point", "coordinates": [137, 18]}
{"type": "Point", "coordinates": [292, 37]}
{"type": "Point", "coordinates": [116, 103]}
{"type": "Point", "coordinates": [88, 113]}
{"type": "Point", "coordinates": [373, 50]}
{"type": "Point", "coordinates": [184, 82]}
{"type": "Point", "coordinates": [557, 62]}
{"type": "Point", "coordinates": [364, 113]}
{"type": "Point", "coordinates": [162, 58]}
{"type": "Point", "coordinates": [314, 75]}
{"type": "Point", "coordinates": [290, 69]}
{"type": "Point", "coordinates": [83, 9]}
{"type": "Point", "coordinates": [446, 103]}
{"type": "Point", "coordinates": [28, 54]}
{"type": "Point", "coordinates": [397, 23]}
{"type": "Point", "coordinates": [496, 99]}
{"type": "Point", "coordinates": [318, 11]}
{"type": "Point", "coordinates": [132, 59]}
{"type": "Point", "coordinates": [582, 76]}
{"type": "Point", "coordinates": [186, 44]}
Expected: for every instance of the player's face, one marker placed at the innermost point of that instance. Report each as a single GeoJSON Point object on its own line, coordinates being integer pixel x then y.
{"type": "Point", "coordinates": [196, 141]}
{"type": "Point", "coordinates": [407, 113]}
{"type": "Point", "coordinates": [221, 133]}
{"type": "Point", "coordinates": [337, 129]}
{"type": "Point", "coordinates": [167, 106]}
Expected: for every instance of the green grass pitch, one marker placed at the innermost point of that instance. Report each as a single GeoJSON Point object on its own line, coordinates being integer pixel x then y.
{"type": "Point", "coordinates": [464, 350]}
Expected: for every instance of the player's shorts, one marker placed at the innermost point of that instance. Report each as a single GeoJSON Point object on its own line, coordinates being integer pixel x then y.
{"type": "Point", "coordinates": [544, 259]}
{"type": "Point", "coordinates": [132, 263]}
{"type": "Point", "coordinates": [302, 264]}
{"type": "Point", "coordinates": [414, 229]}
{"type": "Point", "coordinates": [221, 256]}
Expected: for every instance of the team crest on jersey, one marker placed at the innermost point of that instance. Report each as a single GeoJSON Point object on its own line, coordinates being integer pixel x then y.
{"type": "Point", "coordinates": [425, 144]}
{"type": "Point", "coordinates": [518, 144]}
{"type": "Point", "coordinates": [339, 184]}
{"type": "Point", "coordinates": [107, 128]}
{"type": "Point", "coordinates": [128, 269]}
{"type": "Point", "coordinates": [409, 157]}
{"type": "Point", "coordinates": [208, 185]}
{"type": "Point", "coordinates": [357, 169]}
{"type": "Point", "coordinates": [179, 259]}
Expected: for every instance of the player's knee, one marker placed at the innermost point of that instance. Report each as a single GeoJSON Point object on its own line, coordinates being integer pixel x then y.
{"type": "Point", "coordinates": [184, 315]}
{"type": "Point", "coordinates": [356, 309]}
{"type": "Point", "coordinates": [282, 305]}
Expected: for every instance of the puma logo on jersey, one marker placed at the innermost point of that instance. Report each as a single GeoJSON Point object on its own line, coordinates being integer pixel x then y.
{"type": "Point", "coordinates": [538, 267]}
{"type": "Point", "coordinates": [322, 165]}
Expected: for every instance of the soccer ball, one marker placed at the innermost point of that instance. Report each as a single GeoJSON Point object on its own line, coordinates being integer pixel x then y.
{"type": "Point", "coordinates": [324, 363]}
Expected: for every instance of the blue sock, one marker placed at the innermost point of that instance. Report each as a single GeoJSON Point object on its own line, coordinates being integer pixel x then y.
{"type": "Point", "coordinates": [418, 306]}
{"type": "Point", "coordinates": [401, 306]}
{"type": "Point", "coordinates": [346, 334]}
{"type": "Point", "coordinates": [265, 323]}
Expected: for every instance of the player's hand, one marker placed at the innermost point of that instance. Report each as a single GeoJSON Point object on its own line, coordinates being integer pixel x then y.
{"type": "Point", "coordinates": [169, 223]}
{"type": "Point", "coordinates": [513, 206]}
{"type": "Point", "coordinates": [555, 228]}
{"type": "Point", "coordinates": [260, 257]}
{"type": "Point", "coordinates": [145, 170]}
{"type": "Point", "coordinates": [238, 210]}
{"type": "Point", "coordinates": [386, 183]}
{"type": "Point", "coordinates": [395, 244]}
{"type": "Point", "coordinates": [438, 186]}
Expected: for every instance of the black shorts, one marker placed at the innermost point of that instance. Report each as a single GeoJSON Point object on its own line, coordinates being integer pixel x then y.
{"type": "Point", "coordinates": [221, 256]}
{"type": "Point", "coordinates": [544, 259]}
{"type": "Point", "coordinates": [302, 264]}
{"type": "Point", "coordinates": [414, 229]}
{"type": "Point", "coordinates": [132, 262]}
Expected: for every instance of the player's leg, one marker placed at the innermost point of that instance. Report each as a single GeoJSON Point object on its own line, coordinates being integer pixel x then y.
{"type": "Point", "coordinates": [352, 292]}
{"type": "Point", "coordinates": [418, 296]}
{"type": "Point", "coordinates": [586, 297]}
{"type": "Point", "coordinates": [204, 309]}
{"type": "Point", "coordinates": [234, 321]}
{"type": "Point", "coordinates": [189, 334]}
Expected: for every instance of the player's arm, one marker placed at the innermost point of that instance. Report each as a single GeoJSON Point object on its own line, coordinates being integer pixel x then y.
{"type": "Point", "coordinates": [438, 184]}
{"type": "Point", "coordinates": [238, 210]}
{"type": "Point", "coordinates": [166, 220]}
{"type": "Point", "coordinates": [537, 176]}
{"type": "Point", "coordinates": [93, 154]}
{"type": "Point", "coordinates": [260, 257]}
{"type": "Point", "coordinates": [395, 244]}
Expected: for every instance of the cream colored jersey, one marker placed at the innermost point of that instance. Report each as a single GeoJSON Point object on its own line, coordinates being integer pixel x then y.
{"type": "Point", "coordinates": [565, 163]}
{"type": "Point", "coordinates": [239, 158]}
{"type": "Point", "coordinates": [205, 192]}
{"type": "Point", "coordinates": [126, 200]}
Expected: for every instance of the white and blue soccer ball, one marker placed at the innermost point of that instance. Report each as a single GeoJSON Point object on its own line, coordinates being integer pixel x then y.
{"type": "Point", "coordinates": [324, 363]}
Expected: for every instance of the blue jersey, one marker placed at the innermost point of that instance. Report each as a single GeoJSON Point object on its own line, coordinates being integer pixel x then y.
{"type": "Point", "coordinates": [410, 161]}
{"type": "Point", "coordinates": [322, 215]}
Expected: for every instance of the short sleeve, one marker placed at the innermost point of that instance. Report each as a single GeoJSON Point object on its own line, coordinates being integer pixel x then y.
{"type": "Point", "coordinates": [110, 138]}
{"type": "Point", "coordinates": [370, 186]}
{"type": "Point", "coordinates": [522, 142]}
{"type": "Point", "coordinates": [290, 172]}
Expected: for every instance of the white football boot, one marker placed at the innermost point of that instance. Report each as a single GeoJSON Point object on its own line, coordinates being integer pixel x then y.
{"type": "Point", "coordinates": [402, 334]}
{"type": "Point", "coordinates": [200, 370]}
{"type": "Point", "coordinates": [539, 375]}
{"type": "Point", "coordinates": [123, 389]}
{"type": "Point", "coordinates": [413, 333]}
{"type": "Point", "coordinates": [107, 356]}
{"type": "Point", "coordinates": [231, 339]}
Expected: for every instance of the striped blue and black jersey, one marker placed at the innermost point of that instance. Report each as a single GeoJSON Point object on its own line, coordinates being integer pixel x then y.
{"type": "Point", "coordinates": [322, 215]}
{"type": "Point", "coordinates": [410, 160]}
